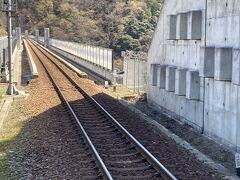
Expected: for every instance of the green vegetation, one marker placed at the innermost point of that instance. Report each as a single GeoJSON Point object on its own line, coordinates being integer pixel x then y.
{"type": "Point", "coordinates": [117, 24]}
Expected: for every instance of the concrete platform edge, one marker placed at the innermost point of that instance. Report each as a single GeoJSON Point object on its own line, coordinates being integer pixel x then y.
{"type": "Point", "coordinates": [199, 155]}
{"type": "Point", "coordinates": [32, 64]}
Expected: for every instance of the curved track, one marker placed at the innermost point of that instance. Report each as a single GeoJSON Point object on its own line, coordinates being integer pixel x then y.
{"type": "Point", "coordinates": [118, 154]}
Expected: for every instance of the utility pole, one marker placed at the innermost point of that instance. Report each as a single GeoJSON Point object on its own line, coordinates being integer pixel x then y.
{"type": "Point", "coordinates": [9, 20]}
{"type": "Point", "coordinates": [9, 8]}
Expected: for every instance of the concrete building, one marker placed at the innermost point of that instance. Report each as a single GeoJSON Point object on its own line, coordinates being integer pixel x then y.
{"type": "Point", "coordinates": [194, 66]}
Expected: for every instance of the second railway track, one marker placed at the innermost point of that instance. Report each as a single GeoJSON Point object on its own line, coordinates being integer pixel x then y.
{"type": "Point", "coordinates": [118, 154]}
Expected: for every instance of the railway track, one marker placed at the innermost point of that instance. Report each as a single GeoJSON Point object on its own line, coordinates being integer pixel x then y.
{"type": "Point", "coordinates": [116, 152]}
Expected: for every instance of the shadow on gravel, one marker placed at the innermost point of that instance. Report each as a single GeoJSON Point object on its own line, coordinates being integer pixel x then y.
{"type": "Point", "coordinates": [47, 146]}
{"type": "Point", "coordinates": [218, 152]}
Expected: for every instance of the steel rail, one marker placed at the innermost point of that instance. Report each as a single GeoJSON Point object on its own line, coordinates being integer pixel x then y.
{"type": "Point", "coordinates": [85, 135]}
{"type": "Point", "coordinates": [159, 166]}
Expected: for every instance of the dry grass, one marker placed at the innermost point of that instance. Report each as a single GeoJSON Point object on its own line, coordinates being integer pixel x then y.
{"type": "Point", "coordinates": [118, 64]}
{"type": "Point", "coordinates": [3, 88]}
{"type": "Point", "coordinates": [8, 134]}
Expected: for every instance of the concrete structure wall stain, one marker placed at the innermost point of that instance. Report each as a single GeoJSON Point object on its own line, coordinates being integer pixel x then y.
{"type": "Point", "coordinates": [202, 37]}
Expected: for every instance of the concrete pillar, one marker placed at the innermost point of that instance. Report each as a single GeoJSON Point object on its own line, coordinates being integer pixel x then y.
{"type": "Point", "coordinates": [207, 61]}
{"type": "Point", "coordinates": [18, 36]}
{"type": "Point", "coordinates": [172, 26]}
{"type": "Point", "coordinates": [37, 35]}
{"type": "Point", "coordinates": [154, 74]}
{"type": "Point", "coordinates": [162, 76]}
{"type": "Point", "coordinates": [236, 67]}
{"type": "Point", "coordinates": [46, 37]}
{"type": "Point", "coordinates": [182, 26]}
{"type": "Point", "coordinates": [180, 81]}
{"type": "Point", "coordinates": [223, 64]}
{"type": "Point", "coordinates": [195, 25]}
{"type": "Point", "coordinates": [18, 33]}
{"type": "Point", "coordinates": [170, 78]}
{"type": "Point", "coordinates": [193, 85]}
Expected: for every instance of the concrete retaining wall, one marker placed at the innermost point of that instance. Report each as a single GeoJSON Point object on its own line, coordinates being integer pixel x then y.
{"type": "Point", "coordinates": [211, 55]}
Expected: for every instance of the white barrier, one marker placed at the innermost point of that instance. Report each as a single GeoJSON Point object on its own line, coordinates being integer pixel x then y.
{"type": "Point", "coordinates": [100, 56]}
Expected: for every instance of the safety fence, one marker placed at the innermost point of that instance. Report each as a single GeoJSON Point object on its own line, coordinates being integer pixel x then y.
{"type": "Point", "coordinates": [135, 68]}
{"type": "Point", "coordinates": [98, 55]}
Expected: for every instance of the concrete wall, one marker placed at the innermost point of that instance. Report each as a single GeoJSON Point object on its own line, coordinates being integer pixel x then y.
{"type": "Point", "coordinates": [209, 48]}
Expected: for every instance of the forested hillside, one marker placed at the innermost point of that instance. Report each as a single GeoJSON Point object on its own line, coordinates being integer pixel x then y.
{"type": "Point", "coordinates": [118, 24]}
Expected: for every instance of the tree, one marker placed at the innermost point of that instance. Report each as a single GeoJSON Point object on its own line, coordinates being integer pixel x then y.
{"type": "Point", "coordinates": [117, 24]}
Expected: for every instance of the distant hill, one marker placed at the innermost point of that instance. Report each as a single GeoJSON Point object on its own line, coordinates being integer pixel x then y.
{"type": "Point", "coordinates": [117, 24]}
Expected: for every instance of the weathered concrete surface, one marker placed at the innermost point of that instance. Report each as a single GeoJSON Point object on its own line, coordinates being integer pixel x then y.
{"type": "Point", "coordinates": [180, 81]}
{"type": "Point", "coordinates": [223, 64]}
{"type": "Point", "coordinates": [213, 51]}
{"type": "Point", "coordinates": [31, 62]}
{"type": "Point", "coordinates": [193, 85]}
{"type": "Point", "coordinates": [170, 78]}
{"type": "Point", "coordinates": [207, 60]}
{"type": "Point", "coordinates": [162, 76]}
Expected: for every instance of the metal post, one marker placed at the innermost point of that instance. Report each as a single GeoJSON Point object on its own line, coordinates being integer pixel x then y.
{"type": "Point", "coordinates": [10, 87]}
{"type": "Point", "coordinates": [125, 59]}
{"type": "Point", "coordinates": [134, 73]}
{"type": "Point", "coordinates": [4, 57]}
{"type": "Point", "coordinates": [138, 75]}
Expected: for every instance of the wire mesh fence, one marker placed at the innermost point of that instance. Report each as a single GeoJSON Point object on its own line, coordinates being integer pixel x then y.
{"type": "Point", "coordinates": [135, 68]}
